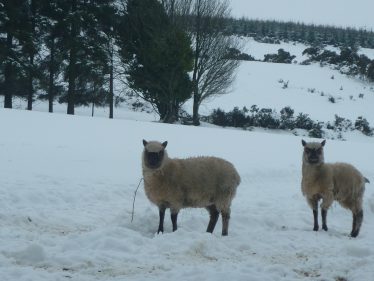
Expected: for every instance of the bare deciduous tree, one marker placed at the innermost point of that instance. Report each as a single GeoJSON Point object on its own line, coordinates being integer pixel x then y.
{"type": "Point", "coordinates": [213, 71]}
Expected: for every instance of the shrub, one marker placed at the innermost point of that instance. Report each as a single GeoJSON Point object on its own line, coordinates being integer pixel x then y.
{"type": "Point", "coordinates": [287, 118]}
{"type": "Point", "coordinates": [238, 118]}
{"type": "Point", "coordinates": [268, 118]}
{"type": "Point", "coordinates": [342, 124]}
{"type": "Point", "coordinates": [219, 117]}
{"type": "Point", "coordinates": [281, 57]}
{"type": "Point", "coordinates": [303, 121]}
{"type": "Point", "coordinates": [265, 118]}
{"type": "Point", "coordinates": [363, 126]}
{"type": "Point", "coordinates": [316, 131]}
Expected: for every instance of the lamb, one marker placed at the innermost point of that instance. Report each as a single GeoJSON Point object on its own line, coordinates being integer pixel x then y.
{"type": "Point", "coordinates": [338, 181]}
{"type": "Point", "coordinates": [200, 182]}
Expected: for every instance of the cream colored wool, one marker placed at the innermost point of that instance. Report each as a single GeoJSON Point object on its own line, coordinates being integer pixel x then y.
{"type": "Point", "coordinates": [333, 181]}
{"type": "Point", "coordinates": [197, 182]}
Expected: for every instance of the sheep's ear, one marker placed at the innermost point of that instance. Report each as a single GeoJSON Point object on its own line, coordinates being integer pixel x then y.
{"type": "Point", "coordinates": [323, 143]}
{"type": "Point", "coordinates": [303, 142]}
{"type": "Point", "coordinates": [164, 144]}
{"type": "Point", "coordinates": [145, 142]}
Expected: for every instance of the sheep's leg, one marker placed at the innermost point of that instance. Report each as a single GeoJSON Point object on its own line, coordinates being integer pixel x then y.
{"type": "Point", "coordinates": [225, 222]}
{"type": "Point", "coordinates": [174, 218]}
{"type": "Point", "coordinates": [161, 212]}
{"type": "Point", "coordinates": [313, 202]}
{"type": "Point", "coordinates": [324, 215]}
{"type": "Point", "coordinates": [357, 221]}
{"type": "Point", "coordinates": [315, 216]}
{"type": "Point", "coordinates": [214, 214]}
{"type": "Point", "coordinates": [326, 203]}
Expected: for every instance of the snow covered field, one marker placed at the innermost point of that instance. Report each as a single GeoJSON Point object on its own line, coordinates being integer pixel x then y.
{"type": "Point", "coordinates": [67, 185]}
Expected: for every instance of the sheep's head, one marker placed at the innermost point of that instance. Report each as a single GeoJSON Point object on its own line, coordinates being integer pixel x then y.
{"type": "Point", "coordinates": [313, 152]}
{"type": "Point", "coordinates": [154, 154]}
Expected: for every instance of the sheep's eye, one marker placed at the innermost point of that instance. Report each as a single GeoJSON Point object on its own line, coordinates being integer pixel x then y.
{"type": "Point", "coordinates": [307, 150]}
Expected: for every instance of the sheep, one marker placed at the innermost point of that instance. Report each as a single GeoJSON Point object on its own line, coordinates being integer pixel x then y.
{"type": "Point", "coordinates": [334, 181]}
{"type": "Point", "coordinates": [200, 182]}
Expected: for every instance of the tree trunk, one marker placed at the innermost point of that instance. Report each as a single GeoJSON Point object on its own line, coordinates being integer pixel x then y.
{"type": "Point", "coordinates": [171, 114]}
{"type": "Point", "coordinates": [72, 62]}
{"type": "Point", "coordinates": [8, 76]}
{"type": "Point", "coordinates": [51, 76]}
{"type": "Point", "coordinates": [195, 110]}
{"type": "Point", "coordinates": [111, 93]}
{"type": "Point", "coordinates": [30, 94]}
{"type": "Point", "coordinates": [93, 109]}
{"type": "Point", "coordinates": [30, 90]}
{"type": "Point", "coordinates": [195, 79]}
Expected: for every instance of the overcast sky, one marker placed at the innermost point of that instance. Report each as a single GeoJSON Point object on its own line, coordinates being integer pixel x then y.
{"type": "Point", "coordinates": [343, 13]}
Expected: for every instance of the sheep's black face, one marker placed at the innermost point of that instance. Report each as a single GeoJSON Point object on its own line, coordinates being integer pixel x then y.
{"type": "Point", "coordinates": [154, 159]}
{"type": "Point", "coordinates": [154, 153]}
{"type": "Point", "coordinates": [313, 152]}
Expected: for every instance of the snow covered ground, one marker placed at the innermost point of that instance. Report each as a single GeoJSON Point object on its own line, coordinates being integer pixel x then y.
{"type": "Point", "coordinates": [66, 193]}
{"type": "Point", "coordinates": [67, 186]}
{"type": "Point", "coordinates": [309, 89]}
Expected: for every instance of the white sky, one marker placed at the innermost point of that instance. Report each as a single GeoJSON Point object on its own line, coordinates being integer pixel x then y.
{"type": "Point", "coordinates": [345, 13]}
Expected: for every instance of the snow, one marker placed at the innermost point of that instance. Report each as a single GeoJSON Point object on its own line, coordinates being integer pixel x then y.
{"type": "Point", "coordinates": [67, 190]}
{"type": "Point", "coordinates": [67, 185]}
{"type": "Point", "coordinates": [357, 14]}
{"type": "Point", "coordinates": [308, 91]}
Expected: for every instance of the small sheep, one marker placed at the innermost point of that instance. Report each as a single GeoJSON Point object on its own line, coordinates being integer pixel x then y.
{"type": "Point", "coordinates": [201, 182]}
{"type": "Point", "coordinates": [339, 181]}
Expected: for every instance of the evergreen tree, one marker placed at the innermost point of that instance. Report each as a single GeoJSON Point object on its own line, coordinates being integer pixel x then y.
{"type": "Point", "coordinates": [15, 45]}
{"type": "Point", "coordinates": [86, 59]}
{"type": "Point", "coordinates": [158, 57]}
{"type": "Point", "coordinates": [53, 13]}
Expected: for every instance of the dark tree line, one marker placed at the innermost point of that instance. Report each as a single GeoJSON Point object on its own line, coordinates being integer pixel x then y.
{"type": "Point", "coordinates": [167, 51]}
{"type": "Point", "coordinates": [275, 31]}
{"type": "Point", "coordinates": [57, 50]}
{"type": "Point", "coordinates": [69, 51]}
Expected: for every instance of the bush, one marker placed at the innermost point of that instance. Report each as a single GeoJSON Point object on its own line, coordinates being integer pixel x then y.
{"type": "Point", "coordinates": [363, 126]}
{"type": "Point", "coordinates": [218, 117]}
{"type": "Point", "coordinates": [265, 118]}
{"type": "Point", "coordinates": [316, 131]}
{"type": "Point", "coordinates": [235, 118]}
{"type": "Point", "coordinates": [281, 57]}
{"type": "Point", "coordinates": [287, 118]}
{"type": "Point", "coordinates": [341, 124]}
{"type": "Point", "coordinates": [238, 118]}
{"type": "Point", "coordinates": [303, 122]}
{"type": "Point", "coordinates": [268, 118]}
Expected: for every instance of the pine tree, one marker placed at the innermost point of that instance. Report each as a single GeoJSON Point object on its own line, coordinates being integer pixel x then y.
{"type": "Point", "coordinates": [86, 59]}
{"type": "Point", "coordinates": [52, 13]}
{"type": "Point", "coordinates": [158, 56]}
{"type": "Point", "coordinates": [15, 41]}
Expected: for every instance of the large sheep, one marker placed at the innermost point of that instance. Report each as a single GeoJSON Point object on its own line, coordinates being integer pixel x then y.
{"type": "Point", "coordinates": [201, 182]}
{"type": "Point", "coordinates": [339, 181]}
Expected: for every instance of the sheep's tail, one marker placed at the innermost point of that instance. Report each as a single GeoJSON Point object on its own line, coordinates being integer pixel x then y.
{"type": "Point", "coordinates": [366, 180]}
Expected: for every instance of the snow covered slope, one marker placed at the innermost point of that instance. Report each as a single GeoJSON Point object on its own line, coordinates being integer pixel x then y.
{"type": "Point", "coordinates": [66, 193]}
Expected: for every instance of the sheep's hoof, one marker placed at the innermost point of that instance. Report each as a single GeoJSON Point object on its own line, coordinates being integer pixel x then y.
{"type": "Point", "coordinates": [325, 228]}
{"type": "Point", "coordinates": [315, 228]}
{"type": "Point", "coordinates": [354, 234]}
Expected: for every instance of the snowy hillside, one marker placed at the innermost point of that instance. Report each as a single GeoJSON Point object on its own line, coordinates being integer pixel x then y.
{"type": "Point", "coordinates": [67, 189]}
